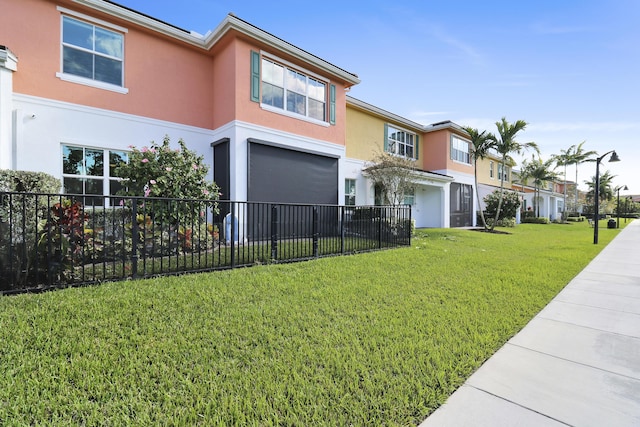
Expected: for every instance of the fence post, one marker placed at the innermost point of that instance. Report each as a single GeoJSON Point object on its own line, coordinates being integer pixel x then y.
{"type": "Point", "coordinates": [274, 232]}
{"type": "Point", "coordinates": [233, 235]}
{"type": "Point", "coordinates": [380, 210]}
{"type": "Point", "coordinates": [316, 229]}
{"type": "Point", "coordinates": [342, 218]}
{"type": "Point", "coordinates": [134, 238]}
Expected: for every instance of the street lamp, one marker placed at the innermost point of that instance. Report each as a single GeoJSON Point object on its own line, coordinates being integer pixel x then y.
{"type": "Point", "coordinates": [614, 158]}
{"type": "Point", "coordinates": [625, 188]}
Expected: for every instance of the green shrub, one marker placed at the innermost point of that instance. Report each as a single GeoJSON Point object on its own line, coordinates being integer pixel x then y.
{"type": "Point", "coordinates": [576, 218]}
{"type": "Point", "coordinates": [28, 182]}
{"type": "Point", "coordinates": [536, 220]}
{"type": "Point", "coordinates": [509, 207]}
{"type": "Point", "coordinates": [19, 214]}
{"type": "Point", "coordinates": [504, 222]}
{"type": "Point", "coordinates": [159, 171]}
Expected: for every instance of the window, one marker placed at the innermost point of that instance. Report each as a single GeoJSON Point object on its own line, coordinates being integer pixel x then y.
{"type": "Point", "coordinates": [349, 192]}
{"type": "Point", "coordinates": [491, 170]}
{"type": "Point", "coordinates": [506, 172]}
{"type": "Point", "coordinates": [290, 90]}
{"type": "Point", "coordinates": [410, 197]}
{"type": "Point", "coordinates": [92, 52]}
{"type": "Point", "coordinates": [400, 142]}
{"type": "Point", "coordinates": [84, 172]}
{"type": "Point", "coordinates": [460, 150]}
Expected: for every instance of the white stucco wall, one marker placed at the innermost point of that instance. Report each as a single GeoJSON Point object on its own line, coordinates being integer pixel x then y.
{"type": "Point", "coordinates": [42, 126]}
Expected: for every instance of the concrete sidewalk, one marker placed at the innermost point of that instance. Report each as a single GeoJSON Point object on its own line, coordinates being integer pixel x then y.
{"type": "Point", "coordinates": [577, 363]}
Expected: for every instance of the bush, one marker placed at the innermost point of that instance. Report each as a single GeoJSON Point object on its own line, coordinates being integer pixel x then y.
{"type": "Point", "coordinates": [18, 213]}
{"type": "Point", "coordinates": [509, 207]}
{"type": "Point", "coordinates": [28, 182]}
{"type": "Point", "coordinates": [536, 220]}
{"type": "Point", "coordinates": [576, 218]}
{"type": "Point", "coordinates": [504, 222]}
{"type": "Point", "coordinates": [159, 171]}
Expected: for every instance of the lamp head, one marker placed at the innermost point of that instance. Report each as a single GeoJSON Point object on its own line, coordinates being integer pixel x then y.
{"type": "Point", "coordinates": [614, 157]}
{"type": "Point", "coordinates": [625, 188]}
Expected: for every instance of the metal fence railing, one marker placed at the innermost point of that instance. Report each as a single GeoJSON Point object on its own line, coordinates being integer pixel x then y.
{"type": "Point", "coordinates": [49, 241]}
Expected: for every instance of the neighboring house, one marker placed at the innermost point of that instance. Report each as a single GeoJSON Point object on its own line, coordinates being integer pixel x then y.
{"type": "Point", "coordinates": [86, 79]}
{"type": "Point", "coordinates": [443, 181]}
{"type": "Point", "coordinates": [549, 202]}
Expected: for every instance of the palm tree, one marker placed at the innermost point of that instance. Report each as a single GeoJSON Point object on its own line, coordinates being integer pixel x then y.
{"type": "Point", "coordinates": [564, 159]}
{"type": "Point", "coordinates": [577, 157]}
{"type": "Point", "coordinates": [505, 146]}
{"type": "Point", "coordinates": [481, 143]}
{"type": "Point", "coordinates": [540, 173]}
{"type": "Point", "coordinates": [605, 190]}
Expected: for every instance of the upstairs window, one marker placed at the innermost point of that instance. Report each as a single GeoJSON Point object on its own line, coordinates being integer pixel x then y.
{"type": "Point", "coordinates": [500, 172]}
{"type": "Point", "coordinates": [460, 150]}
{"type": "Point", "coordinates": [491, 169]}
{"type": "Point", "coordinates": [293, 91]}
{"type": "Point", "coordinates": [400, 142]}
{"type": "Point", "coordinates": [91, 53]}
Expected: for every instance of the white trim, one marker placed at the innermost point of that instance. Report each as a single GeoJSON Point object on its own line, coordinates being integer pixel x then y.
{"type": "Point", "coordinates": [8, 60]}
{"type": "Point", "coordinates": [109, 113]}
{"type": "Point", "coordinates": [92, 83]}
{"type": "Point", "coordinates": [287, 113]}
{"type": "Point", "coordinates": [92, 19]}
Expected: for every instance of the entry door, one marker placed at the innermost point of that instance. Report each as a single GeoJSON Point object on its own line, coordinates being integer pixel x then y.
{"type": "Point", "coordinates": [461, 206]}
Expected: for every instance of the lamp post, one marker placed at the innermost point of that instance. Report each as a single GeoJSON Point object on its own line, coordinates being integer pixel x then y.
{"type": "Point", "coordinates": [596, 208]}
{"type": "Point", "coordinates": [625, 188]}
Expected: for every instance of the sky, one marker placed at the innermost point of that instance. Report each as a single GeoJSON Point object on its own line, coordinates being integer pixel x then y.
{"type": "Point", "coordinates": [569, 68]}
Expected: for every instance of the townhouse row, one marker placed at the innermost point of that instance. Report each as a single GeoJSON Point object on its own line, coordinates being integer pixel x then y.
{"type": "Point", "coordinates": [87, 79]}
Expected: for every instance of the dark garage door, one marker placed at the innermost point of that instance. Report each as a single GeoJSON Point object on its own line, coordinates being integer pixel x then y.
{"type": "Point", "coordinates": [282, 175]}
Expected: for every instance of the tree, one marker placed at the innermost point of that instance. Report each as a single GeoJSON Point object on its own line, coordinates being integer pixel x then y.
{"type": "Point", "coordinates": [481, 143]}
{"type": "Point", "coordinates": [505, 146]}
{"type": "Point", "coordinates": [563, 159]}
{"type": "Point", "coordinates": [540, 173]}
{"type": "Point", "coordinates": [577, 157]}
{"type": "Point", "coordinates": [605, 189]}
{"type": "Point", "coordinates": [393, 175]}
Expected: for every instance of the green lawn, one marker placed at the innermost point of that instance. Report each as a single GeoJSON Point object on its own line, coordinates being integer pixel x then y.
{"type": "Point", "coordinates": [376, 339]}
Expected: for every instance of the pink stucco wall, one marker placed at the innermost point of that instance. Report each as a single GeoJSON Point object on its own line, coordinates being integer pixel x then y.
{"type": "Point", "coordinates": [167, 79]}
{"type": "Point", "coordinates": [438, 145]}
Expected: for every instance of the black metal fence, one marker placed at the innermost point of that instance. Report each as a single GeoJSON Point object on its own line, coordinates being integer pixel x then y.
{"type": "Point", "coordinates": [51, 241]}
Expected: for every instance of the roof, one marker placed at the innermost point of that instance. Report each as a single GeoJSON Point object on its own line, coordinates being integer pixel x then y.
{"type": "Point", "coordinates": [447, 124]}
{"type": "Point", "coordinates": [207, 41]}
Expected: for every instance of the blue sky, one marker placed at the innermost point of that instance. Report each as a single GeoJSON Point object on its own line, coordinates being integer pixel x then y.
{"type": "Point", "coordinates": [569, 68]}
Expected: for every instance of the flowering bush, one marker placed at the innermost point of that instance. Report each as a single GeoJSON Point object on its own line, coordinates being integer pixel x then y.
{"type": "Point", "coordinates": [160, 171]}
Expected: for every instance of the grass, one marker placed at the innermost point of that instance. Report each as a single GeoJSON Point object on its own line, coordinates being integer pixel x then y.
{"type": "Point", "coordinates": [381, 338]}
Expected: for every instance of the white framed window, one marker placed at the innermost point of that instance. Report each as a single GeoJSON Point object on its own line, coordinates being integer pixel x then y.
{"type": "Point", "coordinates": [92, 54]}
{"type": "Point", "coordinates": [460, 150]}
{"type": "Point", "coordinates": [292, 90]}
{"type": "Point", "coordinates": [92, 171]}
{"type": "Point", "coordinates": [349, 192]}
{"type": "Point", "coordinates": [400, 142]}
{"type": "Point", "coordinates": [492, 169]}
{"type": "Point", "coordinates": [410, 197]}
{"type": "Point", "coordinates": [506, 172]}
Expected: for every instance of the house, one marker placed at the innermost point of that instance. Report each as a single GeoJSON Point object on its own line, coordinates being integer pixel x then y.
{"type": "Point", "coordinates": [89, 78]}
